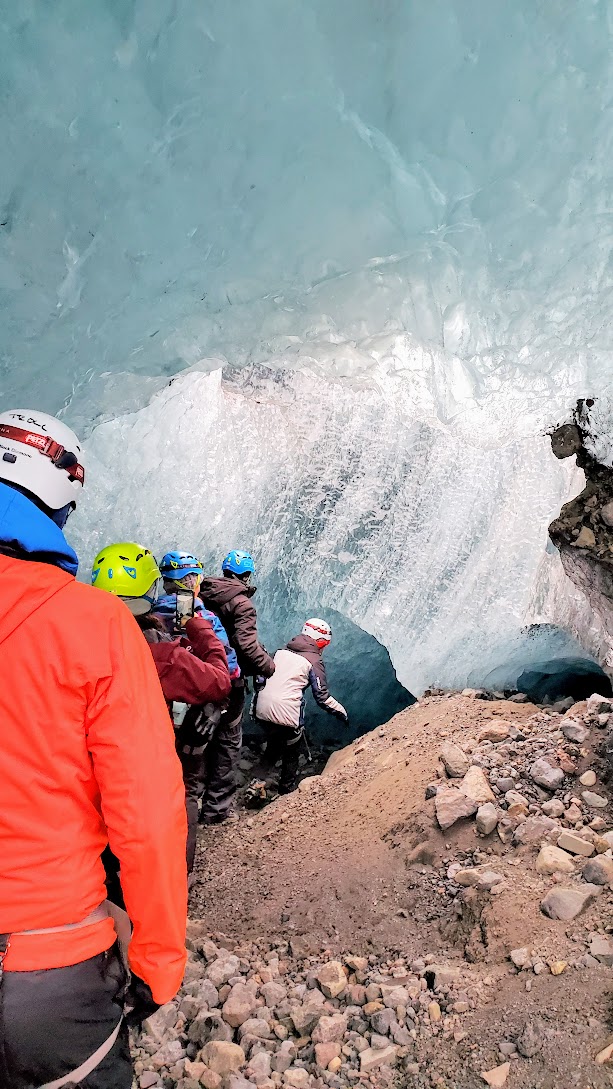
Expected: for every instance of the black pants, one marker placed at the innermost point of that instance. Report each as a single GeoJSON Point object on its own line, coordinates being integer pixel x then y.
{"type": "Point", "coordinates": [283, 743]}
{"type": "Point", "coordinates": [221, 759]}
{"type": "Point", "coordinates": [51, 1021]}
{"type": "Point", "coordinates": [193, 767]}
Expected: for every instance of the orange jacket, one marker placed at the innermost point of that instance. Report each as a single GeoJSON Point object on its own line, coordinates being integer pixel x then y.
{"type": "Point", "coordinates": [86, 754]}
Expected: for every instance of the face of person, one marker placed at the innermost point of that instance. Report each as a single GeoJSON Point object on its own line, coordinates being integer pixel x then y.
{"type": "Point", "coordinates": [189, 582]}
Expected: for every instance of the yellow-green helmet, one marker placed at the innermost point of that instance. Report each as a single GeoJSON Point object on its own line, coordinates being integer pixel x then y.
{"type": "Point", "coordinates": [130, 571]}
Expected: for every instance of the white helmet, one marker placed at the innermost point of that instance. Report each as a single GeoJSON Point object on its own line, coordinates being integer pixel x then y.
{"type": "Point", "coordinates": [41, 455]}
{"type": "Point", "coordinates": [318, 630]}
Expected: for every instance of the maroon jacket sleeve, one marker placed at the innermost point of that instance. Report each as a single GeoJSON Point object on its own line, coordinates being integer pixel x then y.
{"type": "Point", "coordinates": [196, 675]}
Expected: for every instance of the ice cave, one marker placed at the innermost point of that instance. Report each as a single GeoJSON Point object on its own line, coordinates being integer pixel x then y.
{"type": "Point", "coordinates": [317, 278]}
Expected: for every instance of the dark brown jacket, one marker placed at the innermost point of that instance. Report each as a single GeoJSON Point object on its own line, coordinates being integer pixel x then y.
{"type": "Point", "coordinates": [231, 600]}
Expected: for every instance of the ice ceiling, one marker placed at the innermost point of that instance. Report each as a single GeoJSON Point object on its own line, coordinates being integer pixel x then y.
{"type": "Point", "coordinates": [389, 219]}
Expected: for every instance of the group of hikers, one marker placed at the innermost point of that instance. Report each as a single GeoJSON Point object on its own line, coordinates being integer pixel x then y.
{"type": "Point", "coordinates": [96, 810]}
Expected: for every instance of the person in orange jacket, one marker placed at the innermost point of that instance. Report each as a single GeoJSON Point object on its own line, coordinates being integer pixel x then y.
{"type": "Point", "coordinates": [87, 758]}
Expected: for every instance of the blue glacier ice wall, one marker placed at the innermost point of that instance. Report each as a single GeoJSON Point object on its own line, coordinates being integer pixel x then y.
{"type": "Point", "coordinates": [394, 217]}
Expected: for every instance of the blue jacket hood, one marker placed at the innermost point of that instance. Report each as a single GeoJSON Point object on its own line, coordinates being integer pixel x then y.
{"type": "Point", "coordinates": [26, 527]}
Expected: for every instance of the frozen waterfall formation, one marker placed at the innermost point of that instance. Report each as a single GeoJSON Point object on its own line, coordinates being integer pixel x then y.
{"type": "Point", "coordinates": [387, 225]}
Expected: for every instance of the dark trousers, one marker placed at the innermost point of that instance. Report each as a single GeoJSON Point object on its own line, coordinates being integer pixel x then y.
{"type": "Point", "coordinates": [283, 743]}
{"type": "Point", "coordinates": [192, 764]}
{"type": "Point", "coordinates": [51, 1021]}
{"type": "Point", "coordinates": [221, 759]}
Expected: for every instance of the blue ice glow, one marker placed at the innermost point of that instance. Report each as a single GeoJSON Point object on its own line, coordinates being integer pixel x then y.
{"type": "Point", "coordinates": [393, 216]}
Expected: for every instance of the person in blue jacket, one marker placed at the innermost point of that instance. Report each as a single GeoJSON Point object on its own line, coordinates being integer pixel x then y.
{"type": "Point", "coordinates": [183, 570]}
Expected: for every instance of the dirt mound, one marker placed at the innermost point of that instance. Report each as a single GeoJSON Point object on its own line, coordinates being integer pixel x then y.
{"type": "Point", "coordinates": [355, 862]}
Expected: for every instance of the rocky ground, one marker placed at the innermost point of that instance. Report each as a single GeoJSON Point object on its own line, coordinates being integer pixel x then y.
{"type": "Point", "coordinates": [434, 910]}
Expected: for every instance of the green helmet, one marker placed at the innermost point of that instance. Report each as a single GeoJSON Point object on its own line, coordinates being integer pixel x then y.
{"type": "Point", "coordinates": [128, 570]}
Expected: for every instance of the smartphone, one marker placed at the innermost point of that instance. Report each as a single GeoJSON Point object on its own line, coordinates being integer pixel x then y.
{"type": "Point", "coordinates": [184, 608]}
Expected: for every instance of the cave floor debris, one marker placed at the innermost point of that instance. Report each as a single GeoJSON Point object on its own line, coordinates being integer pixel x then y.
{"type": "Point", "coordinates": [355, 865]}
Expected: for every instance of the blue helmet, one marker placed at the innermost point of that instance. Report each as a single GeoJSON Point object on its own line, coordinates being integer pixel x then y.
{"type": "Point", "coordinates": [175, 565]}
{"type": "Point", "coordinates": [239, 563]}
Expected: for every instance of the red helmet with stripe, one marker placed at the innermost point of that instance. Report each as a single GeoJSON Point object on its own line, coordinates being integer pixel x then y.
{"type": "Point", "coordinates": [318, 630]}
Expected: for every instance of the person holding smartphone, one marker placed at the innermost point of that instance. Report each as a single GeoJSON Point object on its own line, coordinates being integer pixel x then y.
{"type": "Point", "coordinates": [192, 667]}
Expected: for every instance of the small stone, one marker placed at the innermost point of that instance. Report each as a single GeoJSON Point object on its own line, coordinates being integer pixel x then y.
{"type": "Point", "coordinates": [599, 705]}
{"type": "Point", "coordinates": [255, 1026]}
{"type": "Point", "coordinates": [596, 801]}
{"type": "Point", "coordinates": [601, 949]}
{"type": "Point", "coordinates": [239, 1006]}
{"type": "Point", "coordinates": [297, 1077]}
{"type": "Point", "coordinates": [598, 870]}
{"type": "Point", "coordinates": [394, 996]}
{"type": "Point", "coordinates": [325, 1053]}
{"type": "Point", "coordinates": [498, 1076]}
{"type": "Point", "coordinates": [566, 904]}
{"type": "Point", "coordinates": [476, 787]}
{"type": "Point", "coordinates": [148, 1078]}
{"type": "Point", "coordinates": [553, 860]}
{"type": "Point", "coordinates": [273, 993]}
{"type": "Point", "coordinates": [586, 538]}
{"type": "Point", "coordinates": [455, 760]}
{"type": "Point", "coordinates": [588, 778]}
{"type": "Point", "coordinates": [335, 1064]}
{"type": "Point", "coordinates": [329, 1029]}
{"type": "Point", "coordinates": [382, 1021]}
{"type": "Point", "coordinates": [513, 797]}
{"type": "Point", "coordinates": [570, 841]}
{"type": "Point", "coordinates": [556, 967]}
{"type": "Point", "coordinates": [530, 1038]}
{"type": "Point", "coordinates": [543, 774]}
{"type": "Point", "coordinates": [222, 969]}
{"type": "Point", "coordinates": [572, 814]}
{"type": "Point", "coordinates": [434, 1011]}
{"type": "Point", "coordinates": [372, 1058]}
{"type": "Point", "coordinates": [487, 818]}
{"type": "Point", "coordinates": [534, 829]}
{"type": "Point", "coordinates": [606, 513]}
{"type": "Point", "coordinates": [378, 1041]}
{"type": "Point", "coordinates": [451, 805]}
{"type": "Point", "coordinates": [574, 730]}
{"type": "Point", "coordinates": [507, 783]}
{"type": "Point", "coordinates": [332, 979]}
{"type": "Point", "coordinates": [520, 957]}
{"type": "Point", "coordinates": [605, 1055]}
{"type": "Point", "coordinates": [553, 808]}
{"type": "Point", "coordinates": [357, 964]}
{"type": "Point", "coordinates": [519, 697]}
{"type": "Point", "coordinates": [494, 731]}
{"type": "Point", "coordinates": [222, 1057]}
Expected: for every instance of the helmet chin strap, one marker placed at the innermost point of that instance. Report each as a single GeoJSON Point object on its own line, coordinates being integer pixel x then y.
{"type": "Point", "coordinates": [60, 517]}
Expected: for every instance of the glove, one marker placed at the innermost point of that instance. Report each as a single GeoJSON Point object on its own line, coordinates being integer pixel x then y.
{"type": "Point", "coordinates": [259, 682]}
{"type": "Point", "coordinates": [342, 715]}
{"type": "Point", "coordinates": [139, 1002]}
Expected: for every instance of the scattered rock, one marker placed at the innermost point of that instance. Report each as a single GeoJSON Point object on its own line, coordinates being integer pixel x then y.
{"type": "Point", "coordinates": [605, 1055]}
{"type": "Point", "coordinates": [332, 979]}
{"type": "Point", "coordinates": [455, 760]}
{"type": "Point", "coordinates": [586, 538]}
{"type": "Point", "coordinates": [329, 1029]}
{"type": "Point", "coordinates": [588, 778]}
{"type": "Point", "coordinates": [222, 969]}
{"type": "Point", "coordinates": [574, 730]}
{"type": "Point", "coordinates": [602, 949]}
{"type": "Point", "coordinates": [606, 513]}
{"type": "Point", "coordinates": [556, 967]}
{"type": "Point", "coordinates": [534, 829]}
{"type": "Point", "coordinates": [577, 845]}
{"type": "Point", "coordinates": [544, 774]}
{"type": "Point", "coordinates": [598, 870]}
{"type": "Point", "coordinates": [599, 705]}
{"type": "Point", "coordinates": [325, 1053]}
{"type": "Point", "coordinates": [372, 1058]}
{"type": "Point", "coordinates": [594, 800]}
{"type": "Point", "coordinates": [553, 860]}
{"type": "Point", "coordinates": [498, 1076]}
{"type": "Point", "coordinates": [223, 1057]}
{"type": "Point", "coordinates": [520, 957]}
{"type": "Point", "coordinates": [487, 818]}
{"type": "Point", "coordinates": [495, 732]}
{"type": "Point", "coordinates": [553, 808]}
{"type": "Point", "coordinates": [530, 1039]}
{"type": "Point", "coordinates": [239, 1006]}
{"type": "Point", "coordinates": [566, 904]}
{"type": "Point", "coordinates": [452, 805]}
{"type": "Point", "coordinates": [476, 787]}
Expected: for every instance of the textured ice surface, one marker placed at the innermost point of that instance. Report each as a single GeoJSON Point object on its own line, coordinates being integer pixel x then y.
{"type": "Point", "coordinates": [402, 208]}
